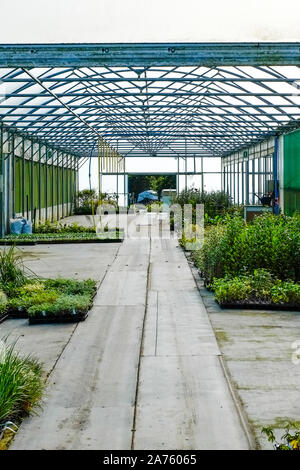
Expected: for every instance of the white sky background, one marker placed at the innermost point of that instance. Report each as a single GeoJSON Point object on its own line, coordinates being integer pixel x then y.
{"type": "Point", "coordinates": [54, 21]}
{"type": "Point", "coordinates": [38, 21]}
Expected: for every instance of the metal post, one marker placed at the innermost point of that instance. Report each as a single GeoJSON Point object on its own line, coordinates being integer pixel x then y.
{"type": "Point", "coordinates": [275, 170]}
{"type": "Point", "coordinates": [58, 192]}
{"type": "Point", "coordinates": [23, 177]}
{"type": "Point", "coordinates": [13, 173]}
{"type": "Point", "coordinates": [46, 183]}
{"type": "Point", "coordinates": [177, 175]}
{"type": "Point", "coordinates": [32, 185]}
{"type": "Point", "coordinates": [40, 185]}
{"type": "Point", "coordinates": [2, 229]}
{"type": "Point", "coordinates": [52, 187]}
{"type": "Point", "coordinates": [247, 181]}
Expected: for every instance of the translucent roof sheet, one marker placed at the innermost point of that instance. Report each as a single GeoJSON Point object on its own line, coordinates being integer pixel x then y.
{"type": "Point", "coordinates": [152, 110]}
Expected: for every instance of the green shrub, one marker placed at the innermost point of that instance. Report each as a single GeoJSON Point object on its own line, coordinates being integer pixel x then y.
{"type": "Point", "coordinates": [87, 201]}
{"type": "Point", "coordinates": [233, 248]}
{"type": "Point", "coordinates": [260, 287]}
{"type": "Point", "coordinates": [21, 383]}
{"type": "Point", "coordinates": [216, 203]}
{"type": "Point", "coordinates": [63, 305]}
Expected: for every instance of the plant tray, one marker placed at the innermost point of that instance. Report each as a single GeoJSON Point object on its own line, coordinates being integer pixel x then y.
{"type": "Point", "coordinates": [260, 306]}
{"type": "Point", "coordinates": [41, 320]}
{"type": "Point", "coordinates": [57, 241]}
{"type": "Point", "coordinates": [16, 314]}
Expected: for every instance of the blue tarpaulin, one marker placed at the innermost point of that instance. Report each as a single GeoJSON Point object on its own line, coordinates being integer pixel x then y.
{"type": "Point", "coordinates": [147, 195]}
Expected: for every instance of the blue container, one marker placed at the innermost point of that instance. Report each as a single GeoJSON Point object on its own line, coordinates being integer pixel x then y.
{"type": "Point", "coordinates": [27, 228]}
{"type": "Point", "coordinates": [16, 226]}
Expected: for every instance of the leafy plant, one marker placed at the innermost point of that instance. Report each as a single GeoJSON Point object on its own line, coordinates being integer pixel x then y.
{"type": "Point", "coordinates": [87, 201]}
{"type": "Point", "coordinates": [71, 286]}
{"type": "Point", "coordinates": [260, 287]}
{"type": "Point", "coordinates": [216, 203]}
{"type": "Point", "coordinates": [11, 267]}
{"type": "Point", "coordinates": [21, 383]}
{"type": "Point", "coordinates": [63, 305]}
{"type": "Point", "coordinates": [3, 303]}
{"type": "Point", "coordinates": [57, 227]}
{"type": "Point", "coordinates": [233, 248]}
{"type": "Point", "coordinates": [289, 441]}
{"type": "Point", "coordinates": [26, 300]}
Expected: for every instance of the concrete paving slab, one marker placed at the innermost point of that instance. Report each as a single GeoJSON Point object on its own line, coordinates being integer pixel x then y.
{"type": "Point", "coordinates": [257, 348]}
{"type": "Point", "coordinates": [183, 399]}
{"type": "Point", "coordinates": [190, 406]}
{"type": "Point", "coordinates": [123, 288]}
{"type": "Point", "coordinates": [44, 341]}
{"type": "Point", "coordinates": [81, 261]}
{"type": "Point", "coordinates": [99, 367]}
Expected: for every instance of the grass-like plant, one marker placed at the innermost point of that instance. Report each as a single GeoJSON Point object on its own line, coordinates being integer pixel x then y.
{"type": "Point", "coordinates": [3, 303]}
{"type": "Point", "coordinates": [12, 269]}
{"type": "Point", "coordinates": [21, 383]}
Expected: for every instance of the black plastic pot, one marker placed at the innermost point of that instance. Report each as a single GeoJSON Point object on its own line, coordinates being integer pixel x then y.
{"type": "Point", "coordinates": [42, 320]}
{"type": "Point", "coordinates": [260, 306]}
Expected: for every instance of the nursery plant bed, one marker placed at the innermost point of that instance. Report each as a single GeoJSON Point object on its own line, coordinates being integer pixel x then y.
{"type": "Point", "coordinates": [43, 320]}
{"type": "Point", "coordinates": [259, 306]}
{"type": "Point", "coordinates": [35, 240]}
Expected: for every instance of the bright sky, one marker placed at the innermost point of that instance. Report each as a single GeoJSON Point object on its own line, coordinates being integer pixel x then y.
{"type": "Point", "coordinates": [38, 21]}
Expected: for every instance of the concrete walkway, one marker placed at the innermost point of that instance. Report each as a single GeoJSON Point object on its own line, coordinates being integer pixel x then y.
{"type": "Point", "coordinates": [143, 371]}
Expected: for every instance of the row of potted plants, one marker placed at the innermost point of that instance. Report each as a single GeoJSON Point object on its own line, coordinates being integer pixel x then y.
{"type": "Point", "coordinates": [253, 264]}
{"type": "Point", "coordinates": [42, 300]}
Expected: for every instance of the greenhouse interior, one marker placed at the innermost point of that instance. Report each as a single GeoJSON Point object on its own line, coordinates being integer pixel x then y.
{"type": "Point", "coordinates": [236, 125]}
{"type": "Point", "coordinates": [147, 327]}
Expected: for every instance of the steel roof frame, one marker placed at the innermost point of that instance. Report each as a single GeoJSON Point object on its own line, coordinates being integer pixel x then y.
{"type": "Point", "coordinates": [151, 99]}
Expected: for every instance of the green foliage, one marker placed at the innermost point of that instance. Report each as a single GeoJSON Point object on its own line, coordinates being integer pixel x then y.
{"type": "Point", "coordinates": [156, 206]}
{"type": "Point", "coordinates": [3, 303]}
{"type": "Point", "coordinates": [12, 270]}
{"type": "Point", "coordinates": [71, 286]}
{"type": "Point", "coordinates": [49, 227]}
{"type": "Point", "coordinates": [62, 306]}
{"type": "Point", "coordinates": [140, 183]}
{"type": "Point", "coordinates": [216, 203]}
{"type": "Point", "coordinates": [51, 294]}
{"type": "Point", "coordinates": [260, 287]}
{"type": "Point", "coordinates": [70, 237]}
{"type": "Point", "coordinates": [26, 300]}
{"type": "Point", "coordinates": [87, 201]}
{"type": "Point", "coordinates": [233, 248]}
{"type": "Point", "coordinates": [289, 441]}
{"type": "Point", "coordinates": [21, 383]}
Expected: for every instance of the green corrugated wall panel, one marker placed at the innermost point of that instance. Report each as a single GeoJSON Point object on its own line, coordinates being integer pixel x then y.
{"type": "Point", "coordinates": [43, 183]}
{"type": "Point", "coordinates": [36, 186]}
{"type": "Point", "coordinates": [18, 185]}
{"type": "Point", "coordinates": [49, 185]}
{"type": "Point", "coordinates": [60, 180]}
{"type": "Point", "coordinates": [27, 185]}
{"type": "Point", "coordinates": [292, 173]}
